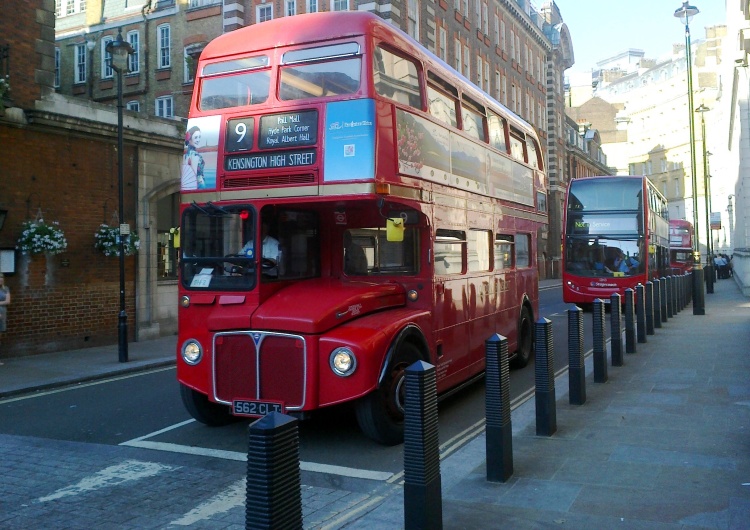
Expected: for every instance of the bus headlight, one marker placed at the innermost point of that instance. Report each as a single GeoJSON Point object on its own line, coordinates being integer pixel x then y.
{"type": "Point", "coordinates": [343, 362]}
{"type": "Point", "coordinates": [192, 352]}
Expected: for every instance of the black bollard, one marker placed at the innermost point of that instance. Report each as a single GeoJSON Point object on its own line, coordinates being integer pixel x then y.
{"type": "Point", "coordinates": [576, 368]}
{"type": "Point", "coordinates": [649, 289]}
{"type": "Point", "coordinates": [498, 428]}
{"type": "Point", "coordinates": [544, 370]}
{"type": "Point", "coordinates": [681, 294]}
{"type": "Point", "coordinates": [670, 307]}
{"type": "Point", "coordinates": [423, 504]}
{"type": "Point", "coordinates": [640, 310]}
{"type": "Point", "coordinates": [615, 329]}
{"type": "Point", "coordinates": [629, 321]}
{"type": "Point", "coordinates": [657, 303]}
{"type": "Point", "coordinates": [675, 291]}
{"type": "Point", "coordinates": [663, 295]}
{"type": "Point", "coordinates": [699, 297]}
{"type": "Point", "coordinates": [273, 495]}
{"type": "Point", "coordinates": [600, 343]}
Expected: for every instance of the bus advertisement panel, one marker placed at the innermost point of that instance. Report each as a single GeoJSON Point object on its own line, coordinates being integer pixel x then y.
{"type": "Point", "coordinates": [615, 236]}
{"type": "Point", "coordinates": [338, 224]}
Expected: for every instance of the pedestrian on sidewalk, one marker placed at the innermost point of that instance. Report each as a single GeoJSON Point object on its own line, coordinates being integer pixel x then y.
{"type": "Point", "coordinates": [4, 303]}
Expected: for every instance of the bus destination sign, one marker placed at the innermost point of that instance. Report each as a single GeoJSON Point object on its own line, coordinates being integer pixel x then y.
{"type": "Point", "coordinates": [291, 129]}
{"type": "Point", "coordinates": [304, 157]}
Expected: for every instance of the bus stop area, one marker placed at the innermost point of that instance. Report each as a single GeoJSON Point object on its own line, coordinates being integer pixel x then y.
{"type": "Point", "coordinates": [664, 443]}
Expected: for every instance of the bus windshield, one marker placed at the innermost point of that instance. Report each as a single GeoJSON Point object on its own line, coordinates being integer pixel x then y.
{"type": "Point", "coordinates": [603, 256]}
{"type": "Point", "coordinates": [220, 246]}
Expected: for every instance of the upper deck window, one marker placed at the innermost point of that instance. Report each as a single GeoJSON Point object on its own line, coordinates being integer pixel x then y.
{"type": "Point", "coordinates": [323, 71]}
{"type": "Point", "coordinates": [246, 84]}
{"type": "Point", "coordinates": [497, 129]}
{"type": "Point", "coordinates": [473, 122]}
{"type": "Point", "coordinates": [397, 78]}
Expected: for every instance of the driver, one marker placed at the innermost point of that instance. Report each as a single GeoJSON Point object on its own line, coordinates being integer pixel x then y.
{"type": "Point", "coordinates": [269, 251]}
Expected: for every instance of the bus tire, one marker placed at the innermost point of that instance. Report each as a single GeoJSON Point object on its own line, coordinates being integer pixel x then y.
{"type": "Point", "coordinates": [203, 410]}
{"type": "Point", "coordinates": [525, 339]}
{"type": "Point", "coordinates": [380, 414]}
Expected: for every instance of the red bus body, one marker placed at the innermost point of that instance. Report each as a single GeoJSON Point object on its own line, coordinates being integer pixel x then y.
{"type": "Point", "coordinates": [680, 246]}
{"type": "Point", "coordinates": [316, 130]}
{"type": "Point", "coordinates": [615, 236]}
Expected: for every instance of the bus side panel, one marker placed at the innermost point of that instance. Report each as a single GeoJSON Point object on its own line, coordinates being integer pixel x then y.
{"type": "Point", "coordinates": [370, 338]}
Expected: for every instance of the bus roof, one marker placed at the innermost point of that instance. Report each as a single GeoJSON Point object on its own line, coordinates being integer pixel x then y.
{"type": "Point", "coordinates": [323, 26]}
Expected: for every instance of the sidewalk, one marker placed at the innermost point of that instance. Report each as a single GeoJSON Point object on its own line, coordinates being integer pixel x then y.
{"type": "Point", "coordinates": [664, 444]}
{"type": "Point", "coordinates": [50, 370]}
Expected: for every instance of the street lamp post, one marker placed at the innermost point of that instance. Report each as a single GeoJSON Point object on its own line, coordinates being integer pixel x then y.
{"type": "Point", "coordinates": [685, 13]}
{"type": "Point", "coordinates": [710, 275]}
{"type": "Point", "coordinates": [119, 52]}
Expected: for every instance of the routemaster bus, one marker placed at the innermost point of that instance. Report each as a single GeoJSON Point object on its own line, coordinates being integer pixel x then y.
{"type": "Point", "coordinates": [615, 234]}
{"type": "Point", "coordinates": [680, 246]}
{"type": "Point", "coordinates": [351, 205]}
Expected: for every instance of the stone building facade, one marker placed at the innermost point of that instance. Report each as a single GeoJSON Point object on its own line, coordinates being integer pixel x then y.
{"type": "Point", "coordinates": [61, 166]}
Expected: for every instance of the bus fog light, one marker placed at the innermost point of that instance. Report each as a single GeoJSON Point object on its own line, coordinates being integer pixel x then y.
{"type": "Point", "coordinates": [185, 301]}
{"type": "Point", "coordinates": [343, 362]}
{"type": "Point", "coordinates": [192, 352]}
{"type": "Point", "coordinates": [412, 296]}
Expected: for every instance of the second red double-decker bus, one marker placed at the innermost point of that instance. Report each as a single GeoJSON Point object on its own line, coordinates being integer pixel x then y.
{"type": "Point", "coordinates": [615, 236]}
{"type": "Point", "coordinates": [681, 246]}
{"type": "Point", "coordinates": [350, 205]}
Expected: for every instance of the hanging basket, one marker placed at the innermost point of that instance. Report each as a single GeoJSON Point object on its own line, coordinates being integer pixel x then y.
{"type": "Point", "coordinates": [38, 237]}
{"type": "Point", "coordinates": [107, 241]}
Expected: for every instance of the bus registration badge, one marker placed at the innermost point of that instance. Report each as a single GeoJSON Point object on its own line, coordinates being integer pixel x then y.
{"type": "Point", "coordinates": [255, 408]}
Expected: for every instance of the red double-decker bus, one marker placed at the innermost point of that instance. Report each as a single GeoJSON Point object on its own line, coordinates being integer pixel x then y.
{"type": "Point", "coordinates": [680, 246]}
{"type": "Point", "coordinates": [350, 205]}
{"type": "Point", "coordinates": [616, 235]}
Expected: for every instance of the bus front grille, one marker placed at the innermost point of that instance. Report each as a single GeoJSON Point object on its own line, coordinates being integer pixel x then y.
{"type": "Point", "coordinates": [270, 180]}
{"type": "Point", "coordinates": [260, 366]}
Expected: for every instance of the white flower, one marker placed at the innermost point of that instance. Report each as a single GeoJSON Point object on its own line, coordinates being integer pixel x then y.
{"type": "Point", "coordinates": [38, 237]}
{"type": "Point", "coordinates": [107, 240]}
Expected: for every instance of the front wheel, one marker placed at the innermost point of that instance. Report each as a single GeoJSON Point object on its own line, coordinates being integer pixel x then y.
{"type": "Point", "coordinates": [203, 410]}
{"type": "Point", "coordinates": [525, 339]}
{"type": "Point", "coordinates": [380, 414]}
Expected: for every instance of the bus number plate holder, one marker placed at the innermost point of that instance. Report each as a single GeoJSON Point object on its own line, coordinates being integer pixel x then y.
{"type": "Point", "coordinates": [254, 408]}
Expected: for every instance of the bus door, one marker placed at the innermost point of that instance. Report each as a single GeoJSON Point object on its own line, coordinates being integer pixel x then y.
{"type": "Point", "coordinates": [451, 307]}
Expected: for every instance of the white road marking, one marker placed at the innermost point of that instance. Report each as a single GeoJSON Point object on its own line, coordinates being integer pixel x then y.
{"type": "Point", "coordinates": [242, 457]}
{"type": "Point", "coordinates": [128, 471]}
{"type": "Point", "coordinates": [222, 502]}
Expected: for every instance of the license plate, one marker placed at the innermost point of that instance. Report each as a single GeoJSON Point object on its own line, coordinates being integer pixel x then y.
{"type": "Point", "coordinates": [254, 409]}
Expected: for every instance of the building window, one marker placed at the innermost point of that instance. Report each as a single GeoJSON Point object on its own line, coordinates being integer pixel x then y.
{"type": "Point", "coordinates": [290, 8]}
{"type": "Point", "coordinates": [165, 107]}
{"type": "Point", "coordinates": [413, 22]}
{"type": "Point", "coordinates": [443, 51]}
{"type": "Point", "coordinates": [163, 34]}
{"type": "Point", "coordinates": [202, 3]}
{"type": "Point", "coordinates": [502, 35]}
{"type": "Point", "coordinates": [467, 62]}
{"type": "Point", "coordinates": [263, 12]}
{"type": "Point", "coordinates": [485, 20]}
{"type": "Point", "coordinates": [57, 67]}
{"type": "Point", "coordinates": [512, 44]}
{"type": "Point", "coordinates": [134, 58]}
{"type": "Point", "coordinates": [133, 105]}
{"type": "Point", "coordinates": [80, 63]}
{"type": "Point", "coordinates": [71, 7]}
{"type": "Point", "coordinates": [479, 72]}
{"type": "Point", "coordinates": [457, 54]}
{"type": "Point", "coordinates": [487, 77]}
{"type": "Point", "coordinates": [497, 30]}
{"type": "Point", "coordinates": [106, 68]}
{"type": "Point", "coordinates": [478, 14]}
{"type": "Point", "coordinates": [339, 5]}
{"type": "Point", "coordinates": [312, 6]}
{"type": "Point", "coordinates": [677, 187]}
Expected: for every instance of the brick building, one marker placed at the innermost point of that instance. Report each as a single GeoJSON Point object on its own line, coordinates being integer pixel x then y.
{"type": "Point", "coordinates": [60, 164]}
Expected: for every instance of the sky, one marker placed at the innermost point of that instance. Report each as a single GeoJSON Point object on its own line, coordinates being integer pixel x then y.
{"type": "Point", "coordinates": [600, 29]}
